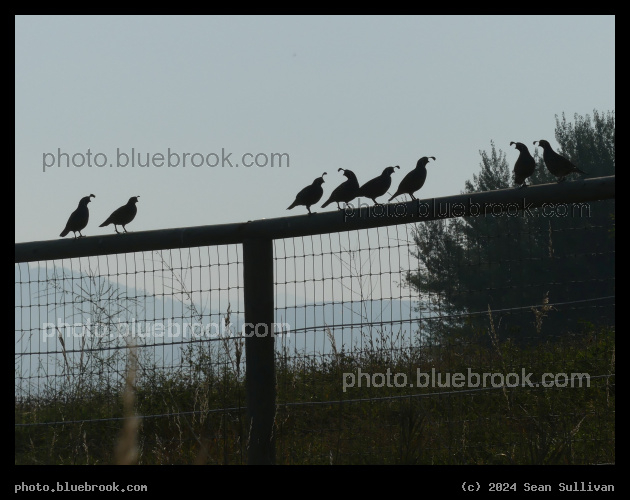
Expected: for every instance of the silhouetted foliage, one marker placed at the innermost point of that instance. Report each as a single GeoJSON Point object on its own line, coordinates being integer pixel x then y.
{"type": "Point", "coordinates": [509, 263]}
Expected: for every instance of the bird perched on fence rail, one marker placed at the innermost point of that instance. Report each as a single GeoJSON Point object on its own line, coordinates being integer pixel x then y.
{"type": "Point", "coordinates": [525, 164]}
{"type": "Point", "coordinates": [557, 164]}
{"type": "Point", "coordinates": [79, 218]}
{"type": "Point", "coordinates": [346, 191]}
{"type": "Point", "coordinates": [414, 180]}
{"type": "Point", "coordinates": [310, 194]}
{"type": "Point", "coordinates": [378, 186]}
{"type": "Point", "coordinates": [123, 215]}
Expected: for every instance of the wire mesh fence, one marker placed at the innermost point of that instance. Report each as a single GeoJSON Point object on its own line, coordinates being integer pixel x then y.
{"type": "Point", "coordinates": [385, 372]}
{"type": "Point", "coordinates": [464, 340]}
{"type": "Point", "coordinates": [76, 320]}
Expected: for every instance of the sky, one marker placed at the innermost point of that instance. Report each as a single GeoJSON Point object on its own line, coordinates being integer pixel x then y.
{"type": "Point", "coordinates": [312, 93]}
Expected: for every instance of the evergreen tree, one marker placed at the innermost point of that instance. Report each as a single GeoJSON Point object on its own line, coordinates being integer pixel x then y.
{"type": "Point", "coordinates": [511, 263]}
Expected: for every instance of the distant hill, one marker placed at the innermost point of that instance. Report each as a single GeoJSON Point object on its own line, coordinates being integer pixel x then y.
{"type": "Point", "coordinates": [54, 296]}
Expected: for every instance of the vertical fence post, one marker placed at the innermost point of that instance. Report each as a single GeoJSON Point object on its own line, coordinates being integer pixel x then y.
{"type": "Point", "coordinates": [260, 368]}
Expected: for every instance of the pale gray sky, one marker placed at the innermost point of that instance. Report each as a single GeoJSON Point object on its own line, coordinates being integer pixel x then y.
{"type": "Point", "coordinates": [358, 92]}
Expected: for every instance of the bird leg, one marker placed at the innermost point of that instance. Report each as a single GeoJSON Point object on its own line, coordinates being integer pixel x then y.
{"type": "Point", "coordinates": [116, 229]}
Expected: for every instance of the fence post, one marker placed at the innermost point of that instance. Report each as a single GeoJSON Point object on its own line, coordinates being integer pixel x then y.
{"type": "Point", "coordinates": [260, 368]}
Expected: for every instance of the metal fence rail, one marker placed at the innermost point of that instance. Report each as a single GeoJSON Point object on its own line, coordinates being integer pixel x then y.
{"type": "Point", "coordinates": [197, 306]}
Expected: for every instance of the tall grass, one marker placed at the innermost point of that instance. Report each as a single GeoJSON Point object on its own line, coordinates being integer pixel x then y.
{"type": "Point", "coordinates": [121, 406]}
{"type": "Point", "coordinates": [200, 419]}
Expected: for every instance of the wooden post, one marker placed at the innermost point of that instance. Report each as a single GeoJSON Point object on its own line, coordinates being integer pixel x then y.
{"type": "Point", "coordinates": [260, 371]}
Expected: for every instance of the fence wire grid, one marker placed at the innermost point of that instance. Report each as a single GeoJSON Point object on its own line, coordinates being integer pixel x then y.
{"type": "Point", "coordinates": [379, 334]}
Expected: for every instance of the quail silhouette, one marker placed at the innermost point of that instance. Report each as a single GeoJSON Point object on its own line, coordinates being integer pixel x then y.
{"type": "Point", "coordinates": [346, 191]}
{"type": "Point", "coordinates": [79, 218]}
{"type": "Point", "coordinates": [309, 195]}
{"type": "Point", "coordinates": [525, 164]}
{"type": "Point", "coordinates": [378, 186]}
{"type": "Point", "coordinates": [557, 164]}
{"type": "Point", "coordinates": [414, 180]}
{"type": "Point", "coordinates": [123, 215]}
